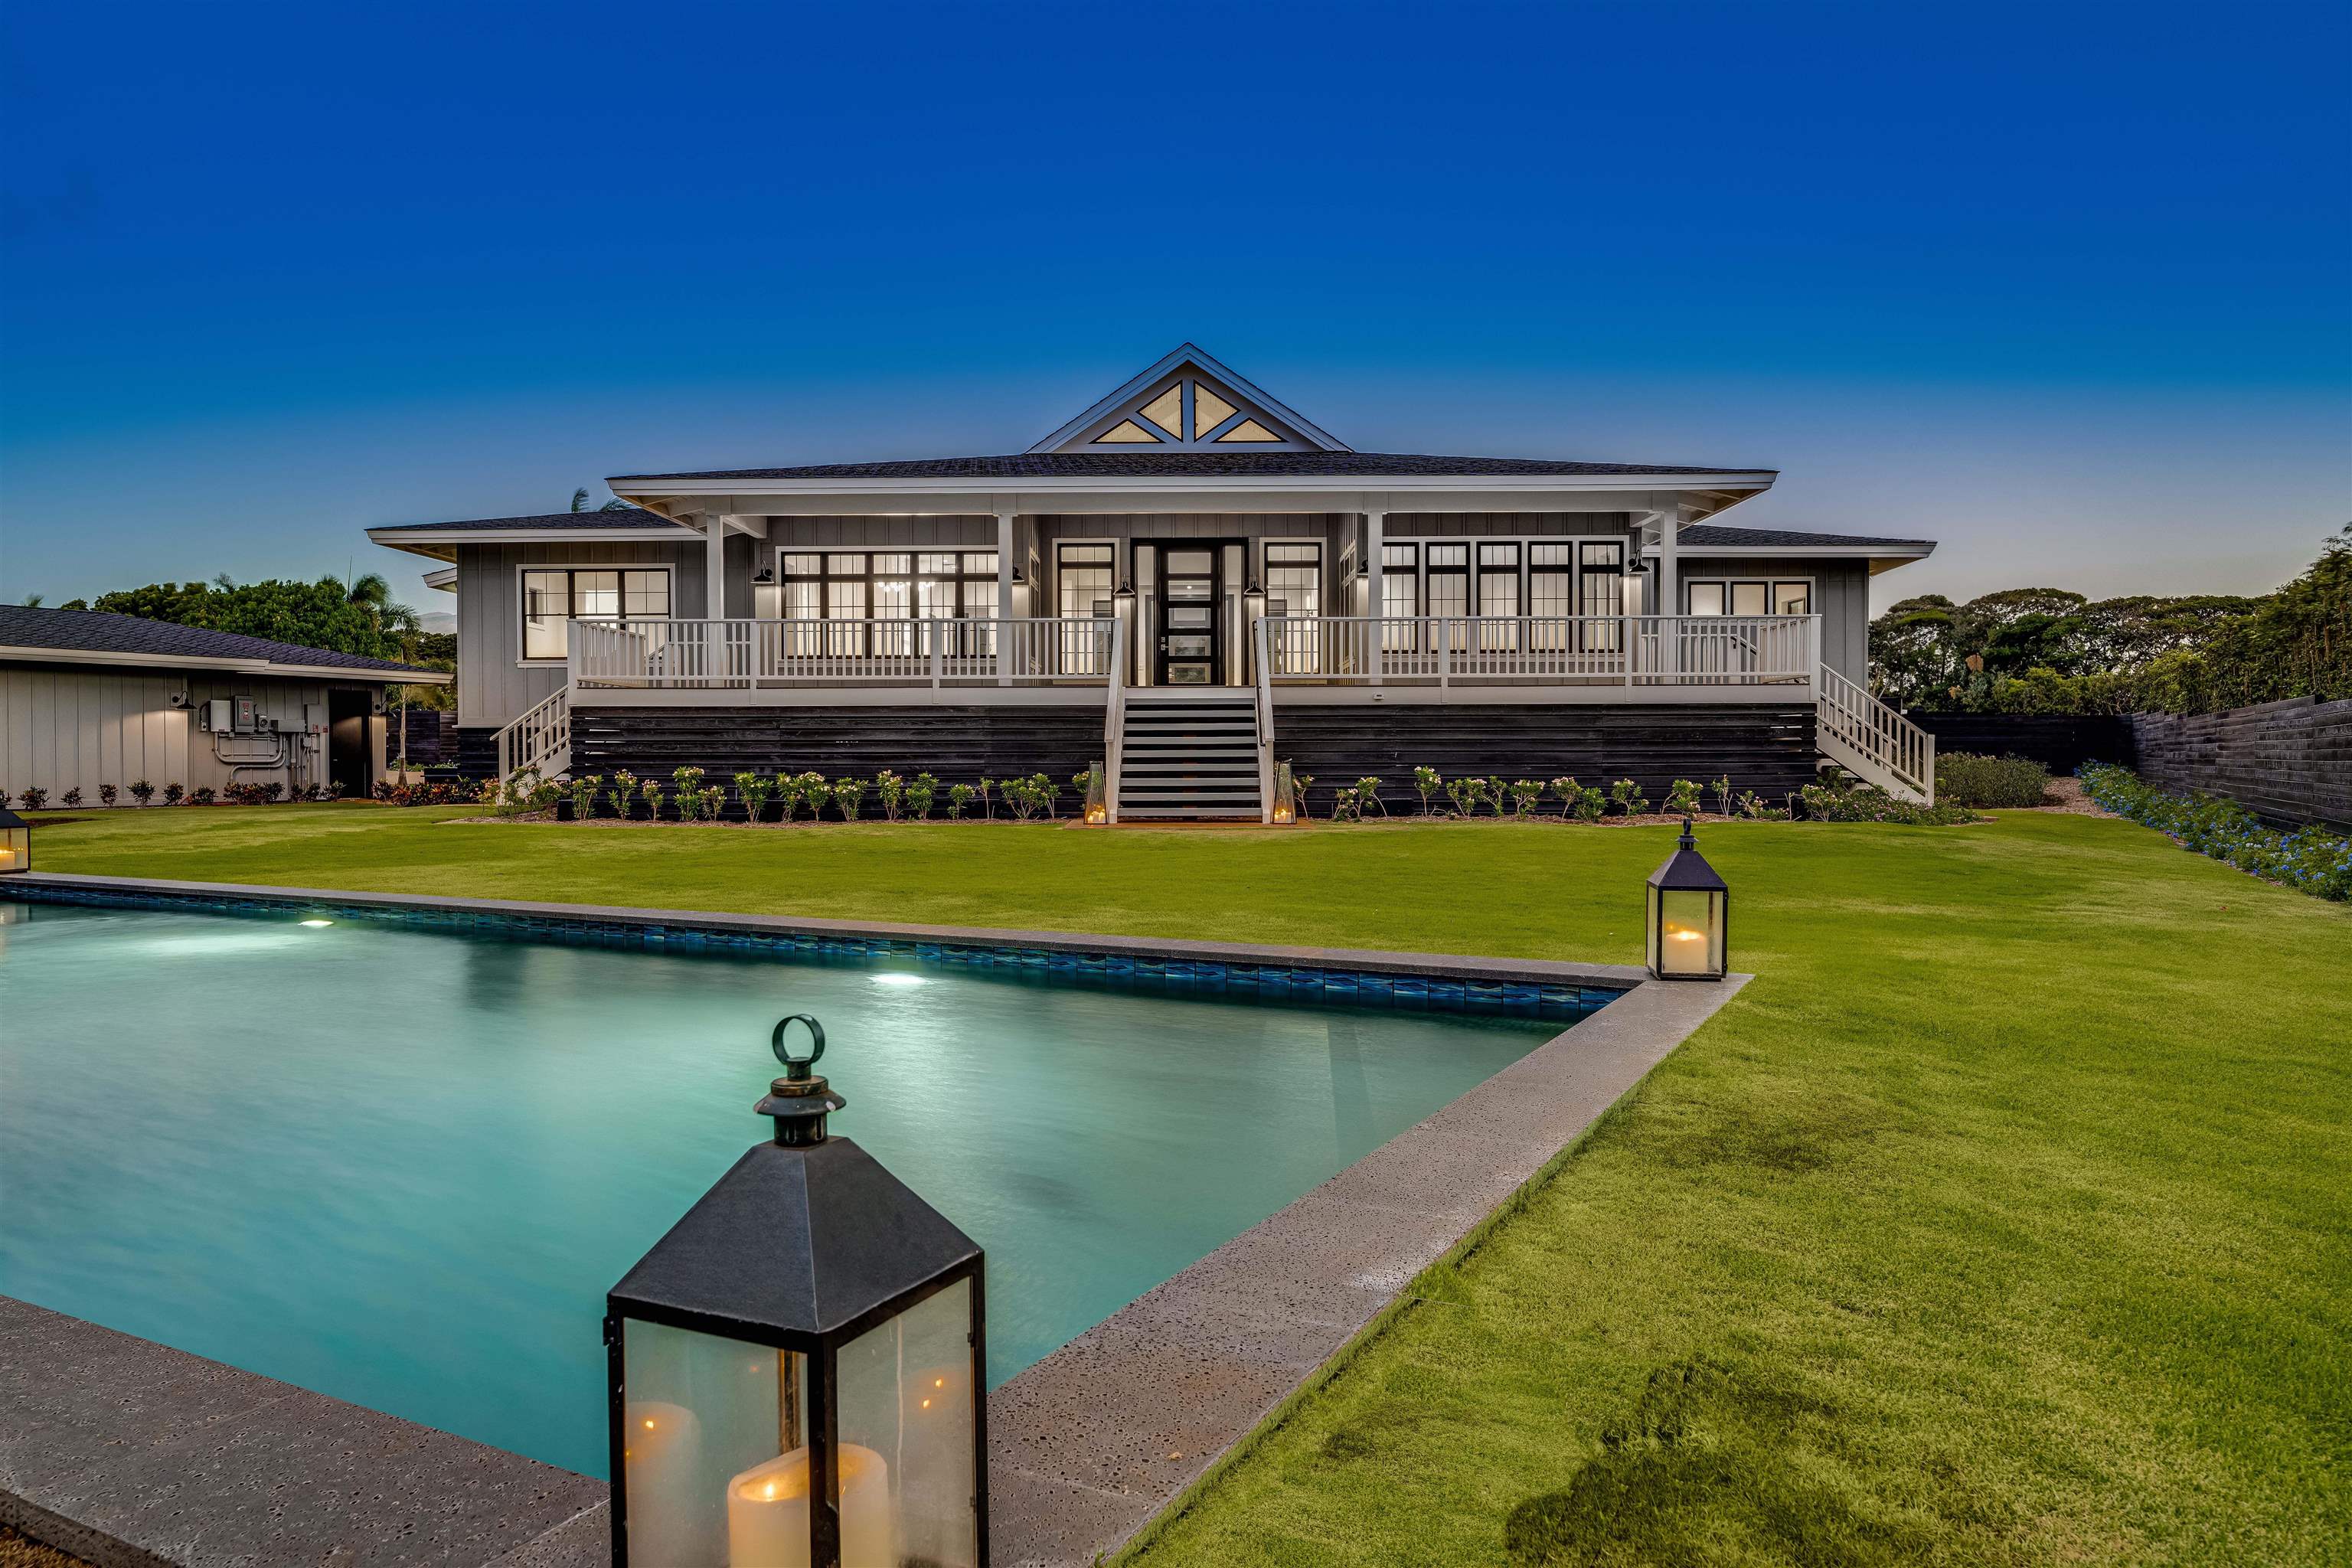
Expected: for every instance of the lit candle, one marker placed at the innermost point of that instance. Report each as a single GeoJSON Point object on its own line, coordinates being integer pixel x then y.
{"type": "Point", "coordinates": [767, 1511]}
{"type": "Point", "coordinates": [659, 1460]}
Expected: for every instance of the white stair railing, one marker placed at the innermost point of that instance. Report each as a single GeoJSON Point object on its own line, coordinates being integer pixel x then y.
{"type": "Point", "coordinates": [1115, 721]}
{"type": "Point", "coordinates": [540, 738]}
{"type": "Point", "coordinates": [1261, 655]}
{"type": "Point", "coordinates": [1873, 741]}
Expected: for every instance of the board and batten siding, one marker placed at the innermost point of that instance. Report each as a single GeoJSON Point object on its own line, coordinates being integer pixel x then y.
{"type": "Point", "coordinates": [495, 688]}
{"type": "Point", "coordinates": [64, 728]}
{"type": "Point", "coordinates": [1841, 597]}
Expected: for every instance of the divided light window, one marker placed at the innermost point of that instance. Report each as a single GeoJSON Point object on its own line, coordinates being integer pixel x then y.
{"type": "Point", "coordinates": [1293, 579]}
{"type": "Point", "coordinates": [889, 585]}
{"type": "Point", "coordinates": [1084, 573]}
{"type": "Point", "coordinates": [554, 597]}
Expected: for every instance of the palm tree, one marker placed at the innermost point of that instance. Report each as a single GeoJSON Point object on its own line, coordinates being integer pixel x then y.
{"type": "Point", "coordinates": [580, 501]}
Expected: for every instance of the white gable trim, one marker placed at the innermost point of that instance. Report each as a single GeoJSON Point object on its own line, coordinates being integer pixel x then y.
{"type": "Point", "coordinates": [1309, 437]}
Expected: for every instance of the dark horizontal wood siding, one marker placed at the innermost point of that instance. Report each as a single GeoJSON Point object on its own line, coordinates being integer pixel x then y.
{"type": "Point", "coordinates": [2059, 742]}
{"type": "Point", "coordinates": [1768, 749]}
{"type": "Point", "coordinates": [2288, 763]}
{"type": "Point", "coordinates": [959, 745]}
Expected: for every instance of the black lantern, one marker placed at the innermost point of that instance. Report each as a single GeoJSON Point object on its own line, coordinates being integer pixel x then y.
{"type": "Point", "coordinates": [1689, 913]}
{"type": "Point", "coordinates": [796, 1368]}
{"type": "Point", "coordinates": [16, 843]}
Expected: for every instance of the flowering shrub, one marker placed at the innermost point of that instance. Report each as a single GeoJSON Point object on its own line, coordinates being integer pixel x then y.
{"type": "Point", "coordinates": [203, 794]}
{"type": "Point", "coordinates": [920, 789]}
{"type": "Point", "coordinates": [172, 793]}
{"type": "Point", "coordinates": [1682, 798]}
{"type": "Point", "coordinates": [1629, 798]}
{"type": "Point", "coordinates": [446, 792]}
{"type": "Point", "coordinates": [1464, 794]}
{"type": "Point", "coordinates": [959, 799]}
{"type": "Point", "coordinates": [1428, 782]}
{"type": "Point", "coordinates": [106, 794]}
{"type": "Point", "coordinates": [846, 793]}
{"type": "Point", "coordinates": [754, 791]}
{"type": "Point", "coordinates": [892, 789]}
{"type": "Point", "coordinates": [141, 791]}
{"type": "Point", "coordinates": [35, 798]}
{"type": "Point", "coordinates": [2312, 859]}
{"type": "Point", "coordinates": [582, 791]}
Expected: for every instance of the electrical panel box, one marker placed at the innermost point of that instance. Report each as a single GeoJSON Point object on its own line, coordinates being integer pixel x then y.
{"type": "Point", "coordinates": [245, 719]}
{"type": "Point", "coordinates": [314, 718]}
{"type": "Point", "coordinates": [216, 714]}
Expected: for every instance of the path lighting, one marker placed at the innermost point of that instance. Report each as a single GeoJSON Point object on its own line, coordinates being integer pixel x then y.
{"type": "Point", "coordinates": [1285, 795]}
{"type": "Point", "coordinates": [1098, 801]}
{"type": "Point", "coordinates": [1689, 910]}
{"type": "Point", "coordinates": [796, 1368]}
{"type": "Point", "coordinates": [16, 843]}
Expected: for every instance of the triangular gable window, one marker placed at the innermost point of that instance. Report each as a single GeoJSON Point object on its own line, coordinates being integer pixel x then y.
{"type": "Point", "coordinates": [1167, 410]}
{"type": "Point", "coordinates": [1188, 400]}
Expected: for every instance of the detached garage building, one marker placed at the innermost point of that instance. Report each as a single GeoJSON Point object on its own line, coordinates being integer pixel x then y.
{"type": "Point", "coordinates": [87, 698]}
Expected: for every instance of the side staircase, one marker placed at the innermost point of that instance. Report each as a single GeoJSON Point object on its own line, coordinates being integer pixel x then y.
{"type": "Point", "coordinates": [540, 738]}
{"type": "Point", "coordinates": [1188, 757]}
{"type": "Point", "coordinates": [1872, 741]}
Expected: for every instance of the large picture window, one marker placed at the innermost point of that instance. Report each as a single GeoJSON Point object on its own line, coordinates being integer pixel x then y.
{"type": "Point", "coordinates": [862, 585]}
{"type": "Point", "coordinates": [555, 597]}
{"type": "Point", "coordinates": [1083, 576]}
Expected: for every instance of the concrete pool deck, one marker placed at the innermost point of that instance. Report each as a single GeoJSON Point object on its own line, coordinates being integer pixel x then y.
{"type": "Point", "coordinates": [129, 1453]}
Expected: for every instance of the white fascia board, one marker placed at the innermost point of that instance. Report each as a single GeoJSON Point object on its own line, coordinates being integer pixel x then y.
{"type": "Point", "coordinates": [445, 579]}
{"type": "Point", "coordinates": [1688, 550]}
{"type": "Point", "coordinates": [970, 485]}
{"type": "Point", "coordinates": [421, 544]}
{"type": "Point", "coordinates": [106, 656]}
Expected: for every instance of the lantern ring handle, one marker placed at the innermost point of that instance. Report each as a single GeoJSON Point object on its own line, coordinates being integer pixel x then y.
{"type": "Point", "coordinates": [798, 1067]}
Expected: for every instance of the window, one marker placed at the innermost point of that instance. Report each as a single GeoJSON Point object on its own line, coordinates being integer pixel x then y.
{"type": "Point", "coordinates": [1167, 410]}
{"type": "Point", "coordinates": [884, 586]}
{"type": "Point", "coordinates": [1447, 582]}
{"type": "Point", "coordinates": [1293, 579]}
{"type": "Point", "coordinates": [1083, 572]}
{"type": "Point", "coordinates": [1498, 593]}
{"type": "Point", "coordinates": [1126, 433]}
{"type": "Point", "coordinates": [1209, 411]}
{"type": "Point", "coordinates": [555, 597]}
{"type": "Point", "coordinates": [1707, 596]}
{"type": "Point", "coordinates": [1248, 430]}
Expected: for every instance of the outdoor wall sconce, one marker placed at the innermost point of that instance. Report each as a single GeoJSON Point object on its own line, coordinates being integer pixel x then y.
{"type": "Point", "coordinates": [1689, 911]}
{"type": "Point", "coordinates": [16, 843]}
{"type": "Point", "coordinates": [797, 1370]}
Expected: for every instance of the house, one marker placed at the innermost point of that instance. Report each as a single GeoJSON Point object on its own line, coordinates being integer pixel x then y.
{"type": "Point", "coordinates": [89, 699]}
{"type": "Point", "coordinates": [1192, 582]}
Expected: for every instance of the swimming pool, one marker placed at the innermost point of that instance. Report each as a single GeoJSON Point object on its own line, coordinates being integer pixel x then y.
{"type": "Point", "coordinates": [401, 1166]}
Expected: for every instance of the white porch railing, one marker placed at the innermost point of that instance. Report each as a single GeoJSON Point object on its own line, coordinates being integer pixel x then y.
{"type": "Point", "coordinates": [745, 654]}
{"type": "Point", "coordinates": [1115, 723]}
{"type": "Point", "coordinates": [1626, 650]}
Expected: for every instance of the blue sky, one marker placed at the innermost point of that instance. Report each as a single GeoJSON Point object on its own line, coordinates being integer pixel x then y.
{"type": "Point", "coordinates": [2066, 287]}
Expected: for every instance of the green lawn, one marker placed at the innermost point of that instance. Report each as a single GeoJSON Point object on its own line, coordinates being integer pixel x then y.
{"type": "Point", "coordinates": [2003, 1219]}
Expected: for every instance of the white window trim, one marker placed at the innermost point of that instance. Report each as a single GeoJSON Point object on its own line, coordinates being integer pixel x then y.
{"type": "Point", "coordinates": [1812, 588]}
{"type": "Point", "coordinates": [514, 597]}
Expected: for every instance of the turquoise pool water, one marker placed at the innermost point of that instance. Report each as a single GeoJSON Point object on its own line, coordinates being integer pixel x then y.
{"type": "Point", "coordinates": [401, 1166]}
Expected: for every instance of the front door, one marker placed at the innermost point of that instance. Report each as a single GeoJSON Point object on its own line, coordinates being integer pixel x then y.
{"type": "Point", "coordinates": [1192, 642]}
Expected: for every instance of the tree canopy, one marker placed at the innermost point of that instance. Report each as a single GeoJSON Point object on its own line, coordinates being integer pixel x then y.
{"type": "Point", "coordinates": [2050, 650]}
{"type": "Point", "coordinates": [360, 617]}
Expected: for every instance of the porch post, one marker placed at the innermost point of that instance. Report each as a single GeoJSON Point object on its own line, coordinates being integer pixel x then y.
{"type": "Point", "coordinates": [1670, 595]}
{"type": "Point", "coordinates": [714, 567]}
{"type": "Point", "coordinates": [1003, 591]}
{"type": "Point", "coordinates": [1374, 604]}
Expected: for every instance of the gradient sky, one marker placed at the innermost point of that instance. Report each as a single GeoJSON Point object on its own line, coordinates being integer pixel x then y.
{"type": "Point", "coordinates": [2068, 288]}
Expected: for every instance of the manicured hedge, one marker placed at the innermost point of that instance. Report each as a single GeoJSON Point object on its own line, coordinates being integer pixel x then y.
{"type": "Point", "coordinates": [1963, 778]}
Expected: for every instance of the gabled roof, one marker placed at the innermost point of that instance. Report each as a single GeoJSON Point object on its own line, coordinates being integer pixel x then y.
{"type": "Point", "coordinates": [1189, 399]}
{"type": "Point", "coordinates": [93, 636]}
{"type": "Point", "coordinates": [1179, 462]}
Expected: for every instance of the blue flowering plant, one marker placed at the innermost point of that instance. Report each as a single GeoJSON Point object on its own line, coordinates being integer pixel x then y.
{"type": "Point", "coordinates": [2312, 859]}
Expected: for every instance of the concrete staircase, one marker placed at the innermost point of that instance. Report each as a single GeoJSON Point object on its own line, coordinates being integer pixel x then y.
{"type": "Point", "coordinates": [1186, 757]}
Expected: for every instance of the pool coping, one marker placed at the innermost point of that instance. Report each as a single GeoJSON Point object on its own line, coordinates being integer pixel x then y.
{"type": "Point", "coordinates": [1088, 1448]}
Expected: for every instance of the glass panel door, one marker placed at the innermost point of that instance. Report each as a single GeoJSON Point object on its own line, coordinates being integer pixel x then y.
{"type": "Point", "coordinates": [1192, 649]}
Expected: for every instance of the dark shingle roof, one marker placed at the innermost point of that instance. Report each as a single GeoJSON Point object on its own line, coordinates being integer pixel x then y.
{"type": "Point", "coordinates": [92, 631]}
{"type": "Point", "coordinates": [579, 522]}
{"type": "Point", "coordinates": [1182, 464]}
{"type": "Point", "coordinates": [1701, 534]}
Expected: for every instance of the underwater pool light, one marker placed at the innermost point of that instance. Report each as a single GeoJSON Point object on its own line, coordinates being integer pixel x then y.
{"type": "Point", "coordinates": [316, 924]}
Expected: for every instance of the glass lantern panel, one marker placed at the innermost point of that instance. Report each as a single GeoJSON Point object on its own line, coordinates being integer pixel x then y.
{"type": "Point", "coordinates": [906, 1422]}
{"type": "Point", "coordinates": [1690, 935]}
{"type": "Point", "coordinates": [15, 848]}
{"type": "Point", "coordinates": [711, 1457]}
